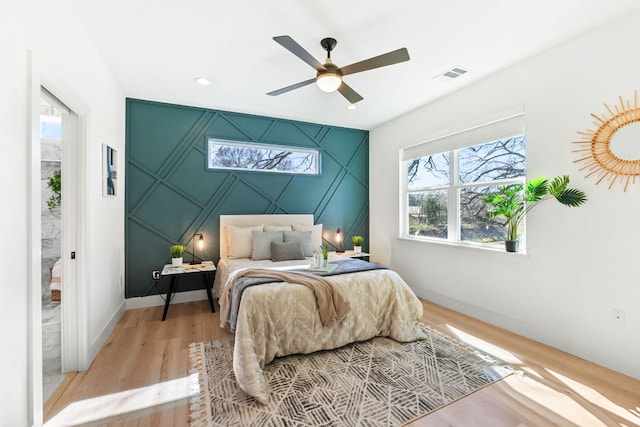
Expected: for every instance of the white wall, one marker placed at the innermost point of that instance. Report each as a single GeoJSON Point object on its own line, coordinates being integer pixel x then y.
{"type": "Point", "coordinates": [580, 262]}
{"type": "Point", "coordinates": [70, 64]}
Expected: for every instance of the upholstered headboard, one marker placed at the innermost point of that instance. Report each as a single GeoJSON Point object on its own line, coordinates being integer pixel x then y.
{"type": "Point", "coordinates": [247, 220]}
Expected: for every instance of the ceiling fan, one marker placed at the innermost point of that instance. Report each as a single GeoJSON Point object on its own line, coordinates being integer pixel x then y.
{"type": "Point", "coordinates": [329, 76]}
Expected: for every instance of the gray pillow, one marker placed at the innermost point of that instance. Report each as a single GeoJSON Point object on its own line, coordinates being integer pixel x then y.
{"type": "Point", "coordinates": [303, 237]}
{"type": "Point", "coordinates": [286, 251]}
{"type": "Point", "coordinates": [262, 244]}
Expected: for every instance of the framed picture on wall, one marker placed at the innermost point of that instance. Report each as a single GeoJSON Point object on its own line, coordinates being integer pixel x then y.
{"type": "Point", "coordinates": [109, 171]}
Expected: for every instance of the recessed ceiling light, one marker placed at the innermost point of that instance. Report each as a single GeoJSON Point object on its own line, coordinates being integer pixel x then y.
{"type": "Point", "coordinates": [352, 107]}
{"type": "Point", "coordinates": [202, 81]}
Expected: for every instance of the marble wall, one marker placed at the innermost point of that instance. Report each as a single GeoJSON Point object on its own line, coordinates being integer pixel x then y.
{"type": "Point", "coordinates": [51, 224]}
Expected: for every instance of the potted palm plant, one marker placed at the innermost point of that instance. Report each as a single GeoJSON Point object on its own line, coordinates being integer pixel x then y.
{"type": "Point", "coordinates": [513, 202]}
{"type": "Point", "coordinates": [176, 255]}
{"type": "Point", "coordinates": [357, 244]}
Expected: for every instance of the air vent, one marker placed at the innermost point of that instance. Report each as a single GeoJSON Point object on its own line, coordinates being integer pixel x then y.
{"type": "Point", "coordinates": [452, 73]}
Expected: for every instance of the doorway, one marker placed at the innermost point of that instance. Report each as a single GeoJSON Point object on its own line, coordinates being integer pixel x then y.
{"type": "Point", "coordinates": [50, 237]}
{"type": "Point", "coordinates": [61, 225]}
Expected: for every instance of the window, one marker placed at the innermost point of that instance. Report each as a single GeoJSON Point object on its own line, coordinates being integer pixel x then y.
{"type": "Point", "coordinates": [444, 188]}
{"type": "Point", "coordinates": [261, 157]}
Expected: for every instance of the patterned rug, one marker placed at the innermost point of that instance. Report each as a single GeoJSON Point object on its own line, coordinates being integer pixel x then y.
{"type": "Point", "coordinates": [379, 382]}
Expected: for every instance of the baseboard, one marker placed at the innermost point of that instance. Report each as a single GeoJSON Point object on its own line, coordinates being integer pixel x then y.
{"type": "Point", "coordinates": [155, 300]}
{"type": "Point", "coordinates": [542, 335]}
{"type": "Point", "coordinates": [102, 337]}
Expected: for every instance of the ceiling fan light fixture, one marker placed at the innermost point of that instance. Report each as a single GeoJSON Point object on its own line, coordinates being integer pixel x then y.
{"type": "Point", "coordinates": [329, 82]}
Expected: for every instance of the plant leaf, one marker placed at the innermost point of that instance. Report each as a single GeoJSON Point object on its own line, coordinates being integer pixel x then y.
{"type": "Point", "coordinates": [536, 189]}
{"type": "Point", "coordinates": [572, 197]}
{"type": "Point", "coordinates": [558, 185]}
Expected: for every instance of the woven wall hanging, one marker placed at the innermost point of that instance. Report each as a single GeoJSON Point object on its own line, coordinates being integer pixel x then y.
{"type": "Point", "coordinates": [596, 155]}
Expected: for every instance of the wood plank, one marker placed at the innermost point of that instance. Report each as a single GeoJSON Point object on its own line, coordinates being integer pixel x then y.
{"type": "Point", "coordinates": [554, 388]}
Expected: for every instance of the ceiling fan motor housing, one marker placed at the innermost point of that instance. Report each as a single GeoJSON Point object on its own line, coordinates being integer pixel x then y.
{"type": "Point", "coordinates": [330, 68]}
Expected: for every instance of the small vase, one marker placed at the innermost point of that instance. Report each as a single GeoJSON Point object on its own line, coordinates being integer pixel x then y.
{"type": "Point", "coordinates": [325, 263]}
{"type": "Point", "coordinates": [176, 262]}
{"type": "Point", "coordinates": [511, 245]}
{"type": "Point", "coordinates": [357, 250]}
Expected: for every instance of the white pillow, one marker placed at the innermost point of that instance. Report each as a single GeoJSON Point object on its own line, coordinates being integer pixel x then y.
{"type": "Point", "coordinates": [240, 241]}
{"type": "Point", "coordinates": [270, 228]}
{"type": "Point", "coordinates": [316, 233]}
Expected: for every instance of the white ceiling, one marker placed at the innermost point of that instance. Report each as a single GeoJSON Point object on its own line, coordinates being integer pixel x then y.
{"type": "Point", "coordinates": [155, 49]}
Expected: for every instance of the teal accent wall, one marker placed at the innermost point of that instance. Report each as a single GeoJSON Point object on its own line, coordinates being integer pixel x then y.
{"type": "Point", "coordinates": [170, 194]}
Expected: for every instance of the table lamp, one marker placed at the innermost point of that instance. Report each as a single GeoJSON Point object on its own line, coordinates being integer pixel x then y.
{"type": "Point", "coordinates": [193, 246]}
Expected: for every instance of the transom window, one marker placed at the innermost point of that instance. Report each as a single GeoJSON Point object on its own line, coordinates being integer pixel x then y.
{"type": "Point", "coordinates": [444, 189]}
{"type": "Point", "coordinates": [262, 157]}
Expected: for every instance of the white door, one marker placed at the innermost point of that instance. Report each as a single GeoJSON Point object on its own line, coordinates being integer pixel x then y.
{"type": "Point", "coordinates": [71, 220]}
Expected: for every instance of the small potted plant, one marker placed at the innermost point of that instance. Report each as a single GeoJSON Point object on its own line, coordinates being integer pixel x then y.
{"type": "Point", "coordinates": [357, 244]}
{"type": "Point", "coordinates": [325, 255]}
{"type": "Point", "coordinates": [513, 202]}
{"type": "Point", "coordinates": [176, 255]}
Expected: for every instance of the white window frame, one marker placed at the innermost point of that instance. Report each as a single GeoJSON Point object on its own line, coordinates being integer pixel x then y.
{"type": "Point", "coordinates": [215, 141]}
{"type": "Point", "coordinates": [504, 127]}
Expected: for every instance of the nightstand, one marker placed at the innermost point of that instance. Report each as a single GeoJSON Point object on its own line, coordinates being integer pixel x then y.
{"type": "Point", "coordinates": [350, 254]}
{"type": "Point", "coordinates": [207, 269]}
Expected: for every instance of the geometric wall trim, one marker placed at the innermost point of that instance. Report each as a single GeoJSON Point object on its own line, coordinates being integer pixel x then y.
{"type": "Point", "coordinates": [170, 194]}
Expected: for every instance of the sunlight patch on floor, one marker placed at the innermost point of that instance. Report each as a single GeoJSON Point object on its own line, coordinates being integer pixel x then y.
{"type": "Point", "coordinates": [125, 403]}
{"type": "Point", "coordinates": [487, 347]}
{"type": "Point", "coordinates": [565, 410]}
{"type": "Point", "coordinates": [597, 399]}
{"type": "Point", "coordinates": [530, 371]}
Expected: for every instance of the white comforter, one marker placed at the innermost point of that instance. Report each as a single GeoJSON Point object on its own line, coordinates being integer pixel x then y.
{"type": "Point", "coordinates": [278, 319]}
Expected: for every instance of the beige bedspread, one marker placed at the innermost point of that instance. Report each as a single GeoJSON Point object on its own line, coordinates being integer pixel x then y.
{"type": "Point", "coordinates": [278, 319]}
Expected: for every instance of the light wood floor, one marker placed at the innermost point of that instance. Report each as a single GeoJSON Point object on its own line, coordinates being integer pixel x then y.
{"type": "Point", "coordinates": [554, 388]}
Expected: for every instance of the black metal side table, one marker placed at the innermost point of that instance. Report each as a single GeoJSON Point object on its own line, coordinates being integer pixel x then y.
{"type": "Point", "coordinates": [206, 269]}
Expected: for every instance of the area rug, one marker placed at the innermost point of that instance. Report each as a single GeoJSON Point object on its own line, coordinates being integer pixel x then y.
{"type": "Point", "coordinates": [379, 382]}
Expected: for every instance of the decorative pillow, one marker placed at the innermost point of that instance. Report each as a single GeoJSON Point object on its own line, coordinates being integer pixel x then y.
{"type": "Point", "coordinates": [303, 237]}
{"type": "Point", "coordinates": [262, 244]}
{"type": "Point", "coordinates": [270, 228]}
{"type": "Point", "coordinates": [239, 240]}
{"type": "Point", "coordinates": [286, 251]}
{"type": "Point", "coordinates": [316, 233]}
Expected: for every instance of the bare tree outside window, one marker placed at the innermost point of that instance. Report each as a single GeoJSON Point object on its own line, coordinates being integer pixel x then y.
{"type": "Point", "coordinates": [268, 158]}
{"type": "Point", "coordinates": [479, 169]}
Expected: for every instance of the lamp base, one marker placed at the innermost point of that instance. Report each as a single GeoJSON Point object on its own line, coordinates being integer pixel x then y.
{"type": "Point", "coordinates": [195, 262]}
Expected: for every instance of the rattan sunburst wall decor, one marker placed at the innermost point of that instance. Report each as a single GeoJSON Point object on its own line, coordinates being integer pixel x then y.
{"type": "Point", "coordinates": [595, 155]}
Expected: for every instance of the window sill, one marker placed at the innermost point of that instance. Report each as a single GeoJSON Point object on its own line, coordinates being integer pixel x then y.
{"type": "Point", "coordinates": [467, 245]}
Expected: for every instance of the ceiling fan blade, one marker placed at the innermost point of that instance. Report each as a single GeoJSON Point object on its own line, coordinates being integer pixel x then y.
{"type": "Point", "coordinates": [292, 87]}
{"type": "Point", "coordinates": [383, 60]}
{"type": "Point", "coordinates": [292, 46]}
{"type": "Point", "coordinates": [351, 95]}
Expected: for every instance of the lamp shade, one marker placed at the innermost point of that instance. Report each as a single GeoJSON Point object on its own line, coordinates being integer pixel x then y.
{"type": "Point", "coordinates": [339, 240]}
{"type": "Point", "coordinates": [329, 82]}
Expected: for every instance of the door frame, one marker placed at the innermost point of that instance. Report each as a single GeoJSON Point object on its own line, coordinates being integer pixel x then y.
{"type": "Point", "coordinates": [70, 233]}
{"type": "Point", "coordinates": [74, 320]}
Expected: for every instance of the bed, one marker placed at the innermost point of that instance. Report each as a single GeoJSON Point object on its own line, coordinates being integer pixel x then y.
{"type": "Point", "coordinates": [277, 317]}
